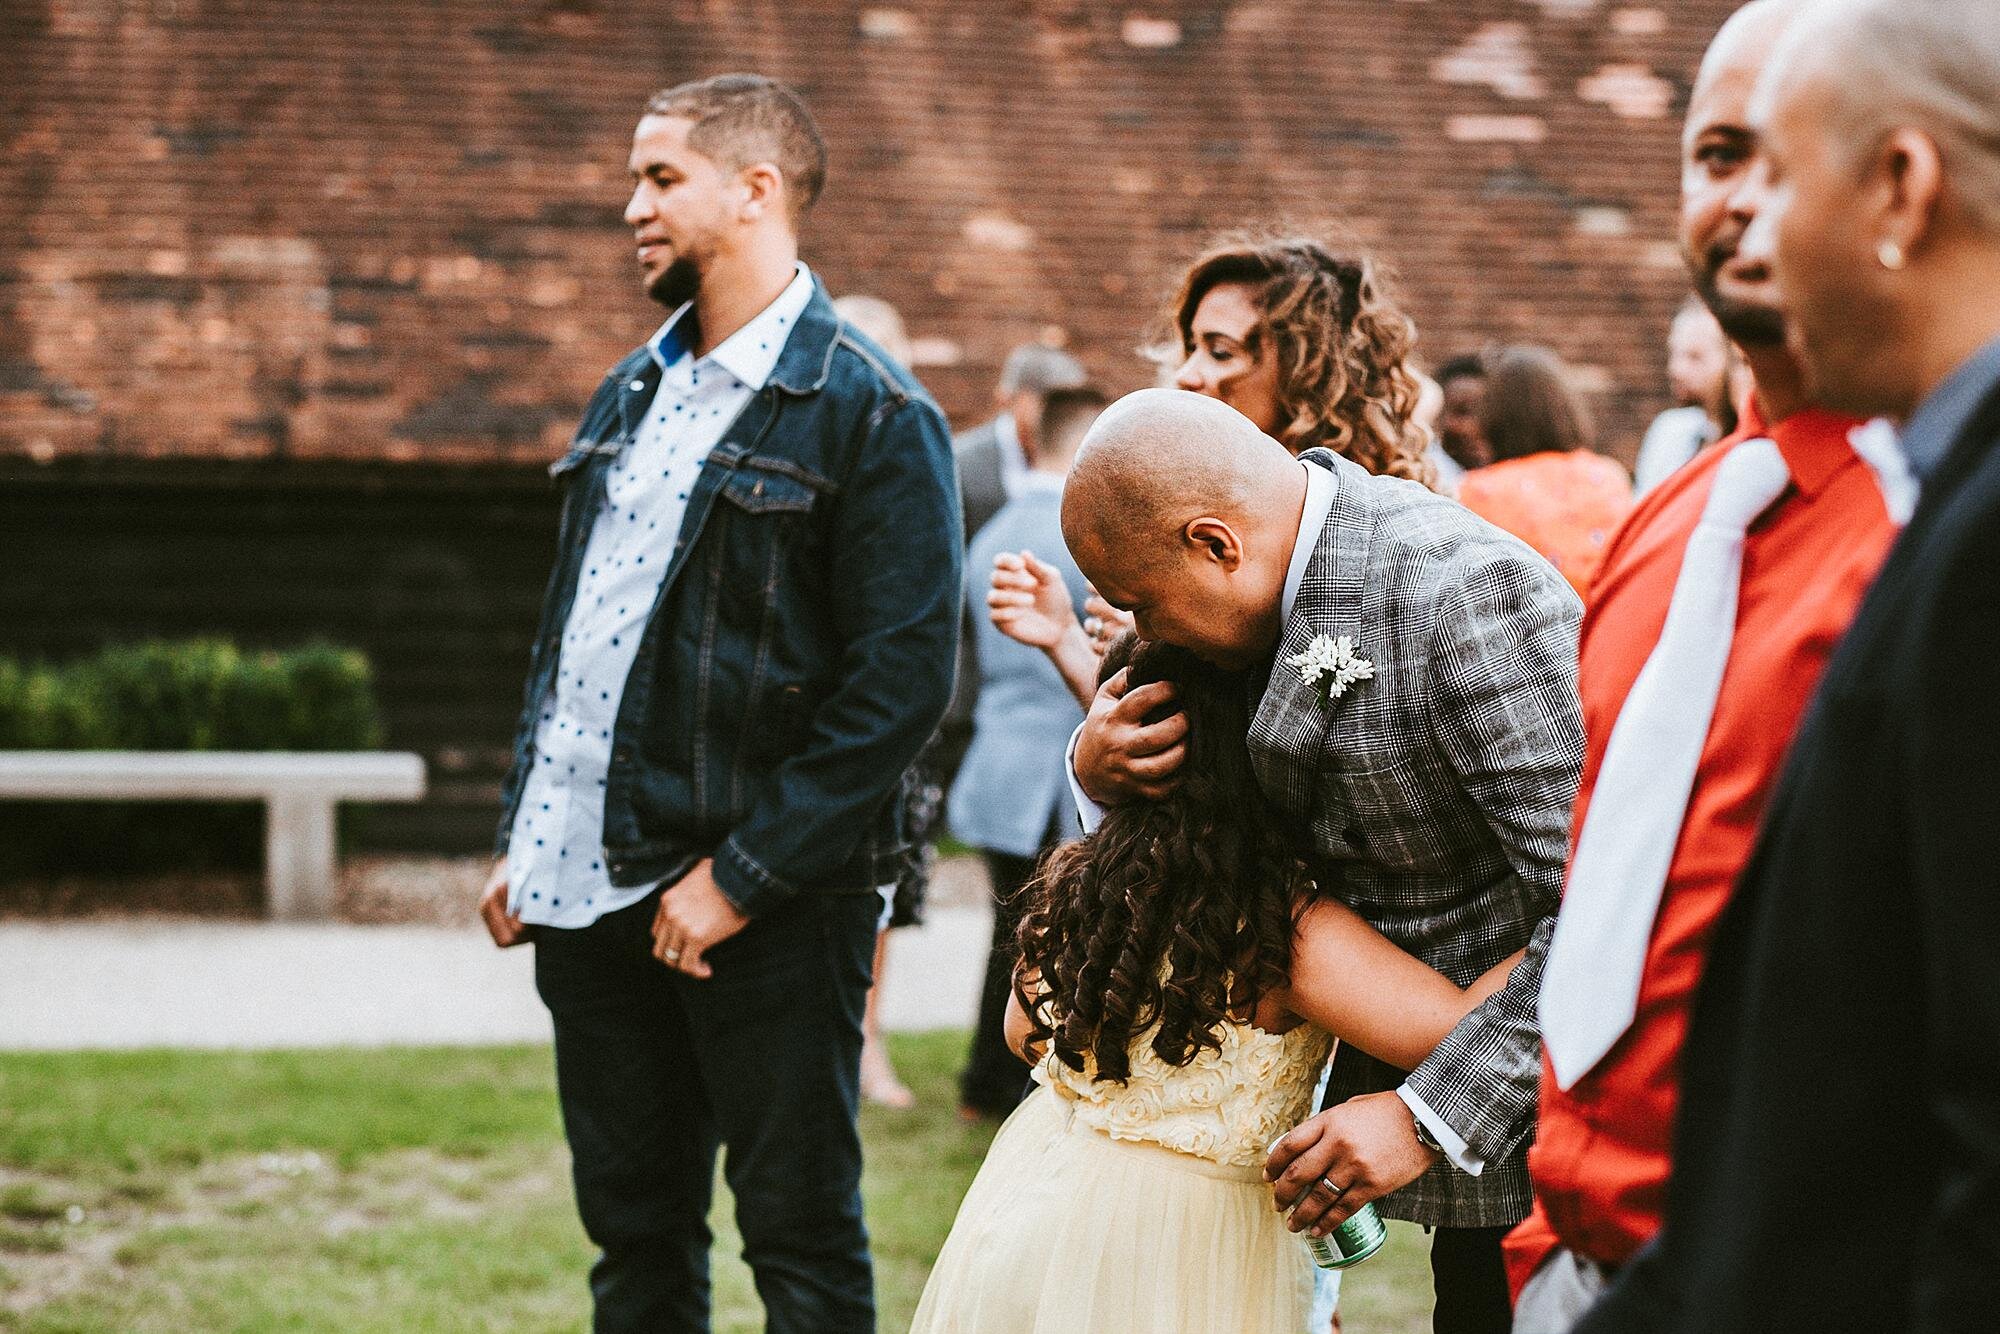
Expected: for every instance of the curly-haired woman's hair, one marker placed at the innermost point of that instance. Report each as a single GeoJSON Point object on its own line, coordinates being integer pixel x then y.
{"type": "Point", "coordinates": [1177, 911]}
{"type": "Point", "coordinates": [1343, 347]}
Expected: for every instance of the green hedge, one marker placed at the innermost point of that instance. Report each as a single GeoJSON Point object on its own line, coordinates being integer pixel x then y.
{"type": "Point", "coordinates": [197, 694]}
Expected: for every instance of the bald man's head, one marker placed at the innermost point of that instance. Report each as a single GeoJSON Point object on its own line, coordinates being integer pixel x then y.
{"type": "Point", "coordinates": [1743, 44]}
{"type": "Point", "coordinates": [1719, 147]}
{"type": "Point", "coordinates": [1184, 513]}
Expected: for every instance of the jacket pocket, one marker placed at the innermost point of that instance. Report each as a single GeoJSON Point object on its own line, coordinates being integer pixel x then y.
{"type": "Point", "coordinates": [768, 533]}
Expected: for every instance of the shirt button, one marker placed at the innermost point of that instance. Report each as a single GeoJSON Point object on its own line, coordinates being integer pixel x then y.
{"type": "Point", "coordinates": [636, 385]}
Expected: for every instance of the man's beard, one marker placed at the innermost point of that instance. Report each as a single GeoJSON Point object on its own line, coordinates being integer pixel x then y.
{"type": "Point", "coordinates": [677, 283]}
{"type": "Point", "coordinates": [1746, 323]}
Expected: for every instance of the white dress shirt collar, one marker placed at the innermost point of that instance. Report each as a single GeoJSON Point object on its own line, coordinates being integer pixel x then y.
{"type": "Point", "coordinates": [751, 353]}
{"type": "Point", "coordinates": [1320, 488]}
{"type": "Point", "coordinates": [1013, 459]}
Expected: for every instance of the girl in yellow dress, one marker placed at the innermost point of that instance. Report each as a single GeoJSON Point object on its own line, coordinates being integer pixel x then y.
{"type": "Point", "coordinates": [1180, 988]}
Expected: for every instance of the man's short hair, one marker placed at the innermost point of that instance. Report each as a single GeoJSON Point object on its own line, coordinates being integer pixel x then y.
{"type": "Point", "coordinates": [1067, 415]}
{"type": "Point", "coordinates": [1037, 368]}
{"type": "Point", "coordinates": [743, 119]}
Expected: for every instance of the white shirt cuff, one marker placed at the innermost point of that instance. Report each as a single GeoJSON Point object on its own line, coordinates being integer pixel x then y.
{"type": "Point", "coordinates": [1454, 1145]}
{"type": "Point", "coordinates": [1088, 813]}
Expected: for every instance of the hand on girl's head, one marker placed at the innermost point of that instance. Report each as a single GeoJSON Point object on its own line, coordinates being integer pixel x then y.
{"type": "Point", "coordinates": [1143, 737]}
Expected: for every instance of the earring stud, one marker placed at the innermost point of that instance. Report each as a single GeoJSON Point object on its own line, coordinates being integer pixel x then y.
{"type": "Point", "coordinates": [1889, 255]}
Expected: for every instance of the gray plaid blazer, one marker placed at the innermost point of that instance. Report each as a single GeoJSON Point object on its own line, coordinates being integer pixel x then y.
{"type": "Point", "coordinates": [1437, 795]}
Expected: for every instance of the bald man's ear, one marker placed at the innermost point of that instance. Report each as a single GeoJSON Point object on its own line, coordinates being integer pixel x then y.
{"type": "Point", "coordinates": [1215, 540]}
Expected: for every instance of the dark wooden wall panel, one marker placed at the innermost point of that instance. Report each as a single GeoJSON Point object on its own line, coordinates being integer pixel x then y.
{"type": "Point", "coordinates": [435, 573]}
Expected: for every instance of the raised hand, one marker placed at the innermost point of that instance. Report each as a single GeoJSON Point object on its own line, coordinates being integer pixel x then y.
{"type": "Point", "coordinates": [1029, 602]}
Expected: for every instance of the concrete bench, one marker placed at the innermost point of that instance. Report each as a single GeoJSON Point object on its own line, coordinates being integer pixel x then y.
{"type": "Point", "coordinates": [298, 788]}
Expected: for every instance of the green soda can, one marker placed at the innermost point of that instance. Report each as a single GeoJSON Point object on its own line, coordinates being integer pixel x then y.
{"type": "Point", "coordinates": [1352, 1242]}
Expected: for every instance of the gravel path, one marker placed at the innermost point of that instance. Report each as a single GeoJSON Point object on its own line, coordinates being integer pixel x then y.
{"type": "Point", "coordinates": [404, 965]}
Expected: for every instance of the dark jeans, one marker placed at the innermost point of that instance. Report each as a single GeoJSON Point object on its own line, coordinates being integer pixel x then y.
{"type": "Point", "coordinates": [995, 1079]}
{"type": "Point", "coordinates": [1470, 1282]}
{"type": "Point", "coordinates": [656, 1070]}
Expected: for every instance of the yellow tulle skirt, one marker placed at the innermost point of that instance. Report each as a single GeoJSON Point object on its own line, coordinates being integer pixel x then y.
{"type": "Point", "coordinates": [1068, 1231]}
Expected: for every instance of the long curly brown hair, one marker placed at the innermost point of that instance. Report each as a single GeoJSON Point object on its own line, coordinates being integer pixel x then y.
{"type": "Point", "coordinates": [1342, 343]}
{"type": "Point", "coordinates": [1178, 911]}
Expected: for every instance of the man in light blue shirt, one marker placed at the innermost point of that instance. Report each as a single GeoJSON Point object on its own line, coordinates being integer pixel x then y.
{"type": "Point", "coordinates": [1010, 797]}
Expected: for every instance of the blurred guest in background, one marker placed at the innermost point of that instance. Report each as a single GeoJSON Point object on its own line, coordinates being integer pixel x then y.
{"type": "Point", "coordinates": [1842, 1074]}
{"type": "Point", "coordinates": [1698, 364]}
{"type": "Point", "coordinates": [994, 456]}
{"type": "Point", "coordinates": [1545, 484]}
{"type": "Point", "coordinates": [879, 320]}
{"type": "Point", "coordinates": [1430, 408]}
{"type": "Point", "coordinates": [1011, 799]}
{"type": "Point", "coordinates": [1463, 380]}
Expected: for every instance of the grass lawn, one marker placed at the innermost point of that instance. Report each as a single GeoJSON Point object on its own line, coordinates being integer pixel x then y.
{"type": "Point", "coordinates": [403, 1190]}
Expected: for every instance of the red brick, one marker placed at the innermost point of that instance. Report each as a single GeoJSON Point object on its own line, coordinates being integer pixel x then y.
{"type": "Point", "coordinates": [391, 229]}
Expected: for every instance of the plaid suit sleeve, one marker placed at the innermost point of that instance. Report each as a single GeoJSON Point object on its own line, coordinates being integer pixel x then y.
{"type": "Point", "coordinates": [1503, 677]}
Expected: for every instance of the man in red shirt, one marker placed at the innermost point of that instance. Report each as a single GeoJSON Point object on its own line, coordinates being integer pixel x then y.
{"type": "Point", "coordinates": [1600, 1161]}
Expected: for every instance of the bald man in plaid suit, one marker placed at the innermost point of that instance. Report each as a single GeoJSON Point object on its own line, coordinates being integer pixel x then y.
{"type": "Point", "coordinates": [1419, 727]}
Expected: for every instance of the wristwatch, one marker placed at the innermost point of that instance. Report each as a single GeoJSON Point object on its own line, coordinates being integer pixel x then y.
{"type": "Point", "coordinates": [1424, 1136]}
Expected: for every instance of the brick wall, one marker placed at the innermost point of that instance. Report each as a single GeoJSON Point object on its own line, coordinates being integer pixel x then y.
{"type": "Point", "coordinates": [389, 229]}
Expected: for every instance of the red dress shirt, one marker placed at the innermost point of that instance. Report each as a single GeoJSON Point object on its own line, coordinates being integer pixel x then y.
{"type": "Point", "coordinates": [1600, 1156]}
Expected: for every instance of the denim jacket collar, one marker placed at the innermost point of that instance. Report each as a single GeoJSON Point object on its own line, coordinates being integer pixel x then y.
{"type": "Point", "coordinates": [808, 356]}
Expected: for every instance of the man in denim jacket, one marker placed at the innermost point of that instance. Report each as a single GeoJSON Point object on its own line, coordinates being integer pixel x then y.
{"type": "Point", "coordinates": [749, 633]}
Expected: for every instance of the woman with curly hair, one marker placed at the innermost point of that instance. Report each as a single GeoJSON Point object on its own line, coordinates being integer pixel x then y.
{"type": "Point", "coordinates": [1298, 336]}
{"type": "Point", "coordinates": [1304, 340]}
{"type": "Point", "coordinates": [1179, 990]}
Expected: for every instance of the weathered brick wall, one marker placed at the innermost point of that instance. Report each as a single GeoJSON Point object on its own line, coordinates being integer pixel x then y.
{"type": "Point", "coordinates": [390, 228]}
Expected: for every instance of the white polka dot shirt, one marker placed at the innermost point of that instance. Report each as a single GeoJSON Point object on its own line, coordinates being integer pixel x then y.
{"type": "Point", "coordinates": [555, 858]}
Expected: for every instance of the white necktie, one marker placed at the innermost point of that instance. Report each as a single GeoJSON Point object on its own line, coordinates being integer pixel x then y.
{"type": "Point", "coordinates": [1590, 985]}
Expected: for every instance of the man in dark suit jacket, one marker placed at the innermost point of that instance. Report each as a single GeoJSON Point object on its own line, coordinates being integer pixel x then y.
{"type": "Point", "coordinates": [993, 456]}
{"type": "Point", "coordinates": [1837, 1161]}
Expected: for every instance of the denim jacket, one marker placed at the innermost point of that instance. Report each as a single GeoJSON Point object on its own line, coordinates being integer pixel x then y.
{"type": "Point", "coordinates": [803, 645]}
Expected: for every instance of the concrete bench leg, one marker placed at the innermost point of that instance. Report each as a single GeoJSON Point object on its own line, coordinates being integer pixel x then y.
{"type": "Point", "coordinates": [298, 858]}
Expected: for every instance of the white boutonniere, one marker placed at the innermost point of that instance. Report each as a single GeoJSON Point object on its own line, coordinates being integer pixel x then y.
{"type": "Point", "coordinates": [1331, 665]}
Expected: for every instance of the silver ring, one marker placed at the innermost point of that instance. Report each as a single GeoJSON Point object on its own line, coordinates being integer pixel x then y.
{"type": "Point", "coordinates": [1338, 1191]}
{"type": "Point", "coordinates": [674, 956]}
